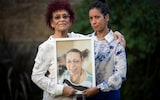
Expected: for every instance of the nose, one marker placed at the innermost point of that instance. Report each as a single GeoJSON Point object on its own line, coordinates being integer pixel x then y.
{"type": "Point", "coordinates": [93, 21]}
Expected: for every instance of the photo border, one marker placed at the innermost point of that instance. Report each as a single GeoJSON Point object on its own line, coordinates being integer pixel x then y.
{"type": "Point", "coordinates": [63, 41]}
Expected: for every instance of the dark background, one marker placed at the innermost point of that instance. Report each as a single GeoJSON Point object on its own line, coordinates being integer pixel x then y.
{"type": "Point", "coordinates": [22, 29]}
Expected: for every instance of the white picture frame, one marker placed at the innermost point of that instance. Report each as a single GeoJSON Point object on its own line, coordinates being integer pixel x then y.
{"type": "Point", "coordinates": [62, 45]}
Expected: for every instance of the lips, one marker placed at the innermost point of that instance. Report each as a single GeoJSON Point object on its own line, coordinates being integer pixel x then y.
{"type": "Point", "coordinates": [62, 24]}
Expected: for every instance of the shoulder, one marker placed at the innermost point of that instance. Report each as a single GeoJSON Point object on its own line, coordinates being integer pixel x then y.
{"type": "Point", "coordinates": [116, 44]}
{"type": "Point", "coordinates": [75, 35]}
{"type": "Point", "coordinates": [117, 47]}
{"type": "Point", "coordinates": [66, 75]}
{"type": "Point", "coordinates": [114, 41]}
{"type": "Point", "coordinates": [91, 34]}
{"type": "Point", "coordinates": [47, 45]}
{"type": "Point", "coordinates": [89, 76]}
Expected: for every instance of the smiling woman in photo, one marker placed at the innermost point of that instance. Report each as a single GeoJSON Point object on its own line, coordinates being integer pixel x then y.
{"type": "Point", "coordinates": [75, 75]}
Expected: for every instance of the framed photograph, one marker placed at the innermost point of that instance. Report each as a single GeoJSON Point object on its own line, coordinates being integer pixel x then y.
{"type": "Point", "coordinates": [75, 62]}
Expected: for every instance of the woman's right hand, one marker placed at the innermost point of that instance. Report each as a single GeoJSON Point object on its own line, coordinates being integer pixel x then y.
{"type": "Point", "coordinates": [91, 91]}
{"type": "Point", "coordinates": [68, 91]}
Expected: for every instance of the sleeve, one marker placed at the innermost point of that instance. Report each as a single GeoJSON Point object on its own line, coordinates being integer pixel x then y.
{"type": "Point", "coordinates": [42, 64]}
{"type": "Point", "coordinates": [120, 63]}
{"type": "Point", "coordinates": [114, 82]}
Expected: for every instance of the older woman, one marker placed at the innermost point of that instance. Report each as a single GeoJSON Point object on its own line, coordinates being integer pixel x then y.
{"type": "Point", "coordinates": [59, 17]}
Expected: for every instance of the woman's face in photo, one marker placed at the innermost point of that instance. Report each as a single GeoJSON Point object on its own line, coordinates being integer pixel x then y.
{"type": "Point", "coordinates": [73, 63]}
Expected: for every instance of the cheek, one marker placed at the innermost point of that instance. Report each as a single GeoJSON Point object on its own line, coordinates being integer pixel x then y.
{"type": "Point", "coordinates": [79, 65]}
{"type": "Point", "coordinates": [67, 66]}
{"type": "Point", "coordinates": [53, 24]}
{"type": "Point", "coordinates": [102, 23]}
{"type": "Point", "coordinates": [69, 24]}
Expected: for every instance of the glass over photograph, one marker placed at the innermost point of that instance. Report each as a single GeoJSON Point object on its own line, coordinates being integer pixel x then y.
{"type": "Point", "coordinates": [75, 63]}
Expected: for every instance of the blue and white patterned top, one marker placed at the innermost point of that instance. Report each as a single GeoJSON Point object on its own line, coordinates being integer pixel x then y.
{"type": "Point", "coordinates": [110, 62]}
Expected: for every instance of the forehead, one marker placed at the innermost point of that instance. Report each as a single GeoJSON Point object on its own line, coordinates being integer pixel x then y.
{"type": "Point", "coordinates": [73, 54]}
{"type": "Point", "coordinates": [60, 12]}
{"type": "Point", "coordinates": [94, 11]}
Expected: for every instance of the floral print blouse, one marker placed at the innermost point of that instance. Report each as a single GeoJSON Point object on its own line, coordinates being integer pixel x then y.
{"type": "Point", "coordinates": [110, 62]}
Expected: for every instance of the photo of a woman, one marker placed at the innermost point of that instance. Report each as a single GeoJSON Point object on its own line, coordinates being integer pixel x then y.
{"type": "Point", "coordinates": [75, 67]}
{"type": "Point", "coordinates": [75, 75]}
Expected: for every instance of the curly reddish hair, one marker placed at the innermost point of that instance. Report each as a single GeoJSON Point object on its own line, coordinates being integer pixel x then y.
{"type": "Point", "coordinates": [55, 5]}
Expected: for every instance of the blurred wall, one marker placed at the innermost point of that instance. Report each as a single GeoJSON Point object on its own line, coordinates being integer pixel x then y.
{"type": "Point", "coordinates": [23, 20]}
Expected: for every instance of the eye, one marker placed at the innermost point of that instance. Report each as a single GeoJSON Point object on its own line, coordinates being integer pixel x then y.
{"type": "Point", "coordinates": [69, 61]}
{"type": "Point", "coordinates": [97, 17]}
{"type": "Point", "coordinates": [66, 16]}
{"type": "Point", "coordinates": [76, 61]}
{"type": "Point", "coordinates": [57, 17]}
{"type": "Point", "coordinates": [90, 18]}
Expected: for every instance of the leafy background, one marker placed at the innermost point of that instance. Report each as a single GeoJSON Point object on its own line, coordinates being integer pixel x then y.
{"type": "Point", "coordinates": [137, 20]}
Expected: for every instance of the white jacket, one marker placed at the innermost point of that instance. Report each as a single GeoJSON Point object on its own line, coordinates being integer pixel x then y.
{"type": "Point", "coordinates": [44, 62]}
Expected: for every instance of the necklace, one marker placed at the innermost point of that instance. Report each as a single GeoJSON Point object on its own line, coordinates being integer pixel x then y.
{"type": "Point", "coordinates": [77, 79]}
